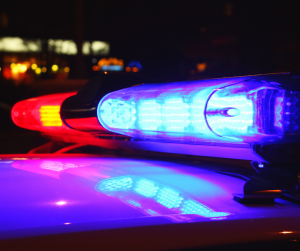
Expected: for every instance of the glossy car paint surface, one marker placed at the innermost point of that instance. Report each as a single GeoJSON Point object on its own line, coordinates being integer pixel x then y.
{"type": "Point", "coordinates": [134, 200]}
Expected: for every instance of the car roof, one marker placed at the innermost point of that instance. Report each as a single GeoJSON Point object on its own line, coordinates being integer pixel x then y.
{"type": "Point", "coordinates": [68, 194]}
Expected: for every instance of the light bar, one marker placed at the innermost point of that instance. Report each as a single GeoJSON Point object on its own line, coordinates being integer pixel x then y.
{"type": "Point", "coordinates": [42, 113]}
{"type": "Point", "coordinates": [229, 110]}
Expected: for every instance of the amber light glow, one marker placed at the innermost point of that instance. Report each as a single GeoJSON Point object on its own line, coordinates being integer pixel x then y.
{"type": "Point", "coordinates": [110, 61]}
{"type": "Point", "coordinates": [50, 115]}
{"type": "Point", "coordinates": [96, 68]}
{"type": "Point", "coordinates": [18, 68]}
{"type": "Point", "coordinates": [201, 67]}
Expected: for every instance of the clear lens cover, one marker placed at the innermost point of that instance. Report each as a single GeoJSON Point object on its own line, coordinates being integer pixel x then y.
{"type": "Point", "coordinates": [230, 110]}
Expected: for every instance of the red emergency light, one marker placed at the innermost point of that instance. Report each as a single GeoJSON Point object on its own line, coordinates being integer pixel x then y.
{"type": "Point", "coordinates": [41, 113]}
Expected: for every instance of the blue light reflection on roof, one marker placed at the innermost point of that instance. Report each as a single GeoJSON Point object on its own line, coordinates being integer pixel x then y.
{"type": "Point", "coordinates": [116, 184]}
{"type": "Point", "coordinates": [134, 203]}
{"type": "Point", "coordinates": [146, 188]}
{"type": "Point", "coordinates": [155, 199]}
{"type": "Point", "coordinates": [169, 197]}
{"type": "Point", "coordinates": [194, 207]}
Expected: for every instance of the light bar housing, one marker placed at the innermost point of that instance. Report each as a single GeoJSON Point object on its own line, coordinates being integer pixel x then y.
{"type": "Point", "coordinates": [250, 117]}
{"type": "Point", "coordinates": [41, 113]}
{"type": "Point", "coordinates": [241, 110]}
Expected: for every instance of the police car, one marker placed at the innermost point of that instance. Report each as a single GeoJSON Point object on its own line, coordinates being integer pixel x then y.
{"type": "Point", "coordinates": [210, 165]}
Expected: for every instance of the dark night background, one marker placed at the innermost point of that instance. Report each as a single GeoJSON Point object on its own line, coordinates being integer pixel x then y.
{"type": "Point", "coordinates": [169, 38]}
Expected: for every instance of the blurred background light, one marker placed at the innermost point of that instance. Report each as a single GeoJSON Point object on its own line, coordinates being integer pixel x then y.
{"type": "Point", "coordinates": [136, 64]}
{"type": "Point", "coordinates": [201, 67]}
{"type": "Point", "coordinates": [54, 67]}
{"type": "Point", "coordinates": [95, 48]}
{"type": "Point", "coordinates": [62, 46]}
{"type": "Point", "coordinates": [17, 44]}
{"type": "Point", "coordinates": [33, 66]}
{"type": "Point", "coordinates": [95, 68]}
{"type": "Point", "coordinates": [22, 68]}
{"type": "Point", "coordinates": [38, 71]}
{"type": "Point", "coordinates": [111, 64]}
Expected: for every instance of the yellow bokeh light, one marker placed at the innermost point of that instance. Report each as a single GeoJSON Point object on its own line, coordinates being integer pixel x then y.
{"type": "Point", "coordinates": [54, 67]}
{"type": "Point", "coordinates": [44, 69]}
{"type": "Point", "coordinates": [38, 71]}
{"type": "Point", "coordinates": [13, 65]}
{"type": "Point", "coordinates": [33, 66]}
{"type": "Point", "coordinates": [22, 68]}
{"type": "Point", "coordinates": [67, 69]}
{"type": "Point", "coordinates": [15, 70]}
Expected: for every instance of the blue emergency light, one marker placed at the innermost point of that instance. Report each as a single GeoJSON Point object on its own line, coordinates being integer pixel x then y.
{"type": "Point", "coordinates": [230, 110]}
